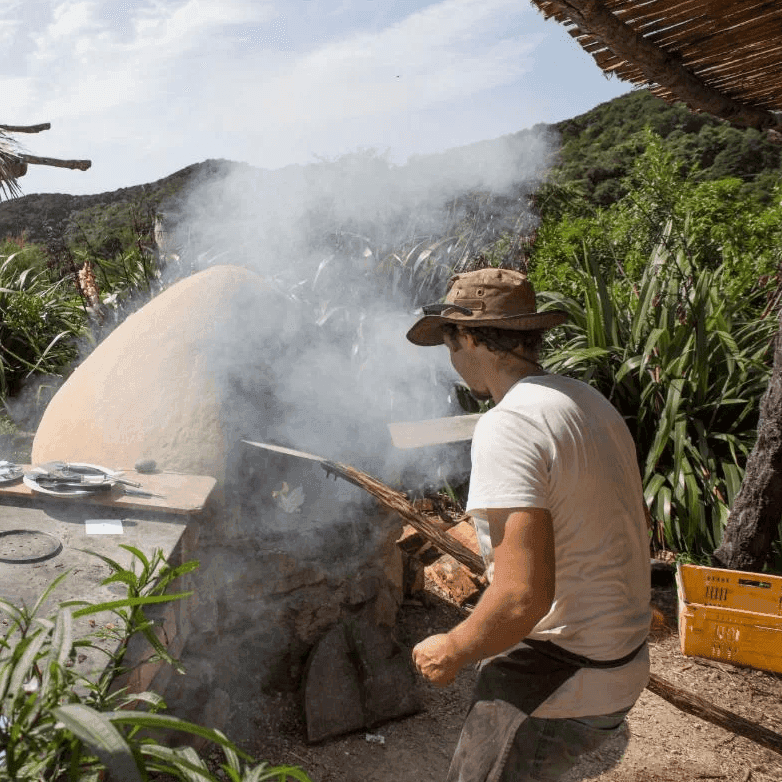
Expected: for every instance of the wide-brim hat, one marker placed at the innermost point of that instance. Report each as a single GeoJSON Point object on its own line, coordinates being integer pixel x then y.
{"type": "Point", "coordinates": [500, 298]}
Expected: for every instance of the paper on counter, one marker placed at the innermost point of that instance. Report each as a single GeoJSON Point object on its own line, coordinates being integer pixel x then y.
{"type": "Point", "coordinates": [103, 527]}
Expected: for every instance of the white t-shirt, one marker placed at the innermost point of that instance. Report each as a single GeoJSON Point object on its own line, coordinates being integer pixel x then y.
{"type": "Point", "coordinates": [557, 443]}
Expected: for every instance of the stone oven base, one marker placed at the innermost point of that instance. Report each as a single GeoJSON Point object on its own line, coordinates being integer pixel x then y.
{"type": "Point", "coordinates": [357, 677]}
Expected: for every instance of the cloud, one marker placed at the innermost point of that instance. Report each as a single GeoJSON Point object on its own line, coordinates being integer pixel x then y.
{"type": "Point", "coordinates": [446, 52]}
{"type": "Point", "coordinates": [85, 59]}
{"type": "Point", "coordinates": [163, 83]}
{"type": "Point", "coordinates": [82, 61]}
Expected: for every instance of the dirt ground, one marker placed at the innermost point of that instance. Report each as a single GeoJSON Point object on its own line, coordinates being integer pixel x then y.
{"type": "Point", "coordinates": [660, 744]}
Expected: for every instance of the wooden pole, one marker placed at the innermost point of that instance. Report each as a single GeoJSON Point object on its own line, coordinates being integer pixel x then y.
{"type": "Point", "coordinates": [693, 704]}
{"type": "Point", "coordinates": [26, 128]}
{"type": "Point", "coordinates": [82, 165]}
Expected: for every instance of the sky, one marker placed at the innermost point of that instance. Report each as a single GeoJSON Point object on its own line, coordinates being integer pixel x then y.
{"type": "Point", "coordinates": [143, 88]}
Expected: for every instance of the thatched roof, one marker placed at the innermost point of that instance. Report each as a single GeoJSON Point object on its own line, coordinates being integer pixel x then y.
{"type": "Point", "coordinates": [719, 56]}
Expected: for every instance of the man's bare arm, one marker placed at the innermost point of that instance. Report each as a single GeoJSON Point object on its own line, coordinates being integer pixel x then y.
{"type": "Point", "coordinates": [519, 596]}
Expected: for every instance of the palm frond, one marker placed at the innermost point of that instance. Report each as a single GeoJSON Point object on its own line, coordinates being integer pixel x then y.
{"type": "Point", "coordinates": [11, 166]}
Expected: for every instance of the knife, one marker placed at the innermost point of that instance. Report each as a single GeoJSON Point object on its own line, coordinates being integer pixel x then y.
{"type": "Point", "coordinates": [73, 473]}
{"type": "Point", "coordinates": [435, 431]}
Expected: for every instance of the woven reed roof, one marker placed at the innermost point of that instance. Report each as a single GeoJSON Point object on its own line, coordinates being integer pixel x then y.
{"type": "Point", "coordinates": [719, 56]}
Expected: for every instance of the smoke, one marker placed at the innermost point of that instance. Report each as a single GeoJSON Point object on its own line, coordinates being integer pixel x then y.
{"type": "Point", "coordinates": [353, 246]}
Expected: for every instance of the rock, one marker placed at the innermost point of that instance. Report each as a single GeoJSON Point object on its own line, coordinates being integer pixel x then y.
{"type": "Point", "coordinates": [332, 695]}
{"type": "Point", "coordinates": [387, 680]}
{"type": "Point", "coordinates": [357, 677]}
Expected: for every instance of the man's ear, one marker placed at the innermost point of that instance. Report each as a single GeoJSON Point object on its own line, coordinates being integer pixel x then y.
{"type": "Point", "coordinates": [452, 341]}
{"type": "Point", "coordinates": [467, 339]}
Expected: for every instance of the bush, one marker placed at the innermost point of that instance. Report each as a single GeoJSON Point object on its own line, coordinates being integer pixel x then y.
{"type": "Point", "coordinates": [58, 725]}
{"type": "Point", "coordinates": [685, 366]}
{"type": "Point", "coordinates": [39, 319]}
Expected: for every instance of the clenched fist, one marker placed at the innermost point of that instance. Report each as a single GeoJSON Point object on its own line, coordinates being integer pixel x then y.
{"type": "Point", "coordinates": [437, 659]}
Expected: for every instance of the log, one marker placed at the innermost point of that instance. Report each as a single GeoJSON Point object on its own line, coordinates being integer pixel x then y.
{"type": "Point", "coordinates": [697, 706]}
{"type": "Point", "coordinates": [754, 518]}
{"type": "Point", "coordinates": [82, 165]}
{"type": "Point", "coordinates": [397, 502]}
{"type": "Point", "coordinates": [26, 128]}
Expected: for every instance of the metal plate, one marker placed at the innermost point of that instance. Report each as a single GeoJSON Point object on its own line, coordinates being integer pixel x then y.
{"type": "Point", "coordinates": [10, 472]}
{"type": "Point", "coordinates": [19, 546]}
{"type": "Point", "coordinates": [30, 481]}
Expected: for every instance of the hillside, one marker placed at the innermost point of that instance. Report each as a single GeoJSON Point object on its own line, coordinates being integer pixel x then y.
{"type": "Point", "coordinates": [596, 150]}
{"type": "Point", "coordinates": [42, 217]}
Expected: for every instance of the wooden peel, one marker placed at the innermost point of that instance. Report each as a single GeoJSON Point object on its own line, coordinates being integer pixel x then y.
{"type": "Point", "coordinates": [436, 431]}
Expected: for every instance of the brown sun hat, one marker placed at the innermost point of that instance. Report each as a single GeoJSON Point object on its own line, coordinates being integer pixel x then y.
{"type": "Point", "coordinates": [501, 298]}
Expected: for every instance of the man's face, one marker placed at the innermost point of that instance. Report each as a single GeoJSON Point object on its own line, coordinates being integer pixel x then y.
{"type": "Point", "coordinates": [464, 360]}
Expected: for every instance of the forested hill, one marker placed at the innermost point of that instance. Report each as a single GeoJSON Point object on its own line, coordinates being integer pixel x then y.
{"type": "Point", "coordinates": [598, 147]}
{"type": "Point", "coordinates": [597, 151]}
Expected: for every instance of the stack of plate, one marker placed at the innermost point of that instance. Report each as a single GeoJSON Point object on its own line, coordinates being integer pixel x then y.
{"type": "Point", "coordinates": [10, 472]}
{"type": "Point", "coordinates": [71, 479]}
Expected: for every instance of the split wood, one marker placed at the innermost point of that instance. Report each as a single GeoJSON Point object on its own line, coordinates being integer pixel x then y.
{"type": "Point", "coordinates": [682, 699]}
{"type": "Point", "coordinates": [396, 501]}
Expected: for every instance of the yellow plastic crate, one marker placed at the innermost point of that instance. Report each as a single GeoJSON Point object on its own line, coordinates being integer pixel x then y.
{"type": "Point", "coordinates": [731, 615]}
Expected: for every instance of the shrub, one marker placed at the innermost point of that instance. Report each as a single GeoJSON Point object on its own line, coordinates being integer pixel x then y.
{"type": "Point", "coordinates": [685, 366]}
{"type": "Point", "coordinates": [56, 724]}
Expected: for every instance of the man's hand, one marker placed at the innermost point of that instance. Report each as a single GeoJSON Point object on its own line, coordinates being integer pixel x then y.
{"type": "Point", "coordinates": [437, 659]}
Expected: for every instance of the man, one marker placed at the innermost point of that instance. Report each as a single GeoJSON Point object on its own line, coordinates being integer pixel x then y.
{"type": "Point", "coordinates": [556, 498]}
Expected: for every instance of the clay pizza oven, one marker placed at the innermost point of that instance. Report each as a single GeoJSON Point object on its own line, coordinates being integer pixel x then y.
{"type": "Point", "coordinates": [285, 553]}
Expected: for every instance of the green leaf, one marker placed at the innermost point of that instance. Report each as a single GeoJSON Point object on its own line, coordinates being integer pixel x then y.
{"type": "Point", "coordinates": [128, 602]}
{"type": "Point", "coordinates": [99, 734]}
{"type": "Point", "coordinates": [185, 761]}
{"type": "Point", "coordinates": [166, 722]}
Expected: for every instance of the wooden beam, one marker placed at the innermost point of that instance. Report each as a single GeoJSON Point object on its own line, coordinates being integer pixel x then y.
{"type": "Point", "coordinates": [657, 66]}
{"type": "Point", "coordinates": [82, 165]}
{"type": "Point", "coordinates": [698, 707]}
{"type": "Point", "coordinates": [26, 128]}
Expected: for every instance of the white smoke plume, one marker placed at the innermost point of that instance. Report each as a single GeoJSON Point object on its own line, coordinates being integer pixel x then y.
{"type": "Point", "coordinates": [327, 236]}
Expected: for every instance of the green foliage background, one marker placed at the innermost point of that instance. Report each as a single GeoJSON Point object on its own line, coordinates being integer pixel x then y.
{"type": "Point", "coordinates": [659, 230]}
{"type": "Point", "coordinates": [660, 233]}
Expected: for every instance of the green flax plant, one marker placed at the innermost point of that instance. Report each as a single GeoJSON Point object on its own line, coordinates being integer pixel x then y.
{"type": "Point", "coordinates": [59, 724]}
{"type": "Point", "coordinates": [686, 368]}
{"type": "Point", "coordinates": [39, 319]}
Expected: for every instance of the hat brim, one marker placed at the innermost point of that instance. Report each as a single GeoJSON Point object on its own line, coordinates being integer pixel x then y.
{"type": "Point", "coordinates": [428, 331]}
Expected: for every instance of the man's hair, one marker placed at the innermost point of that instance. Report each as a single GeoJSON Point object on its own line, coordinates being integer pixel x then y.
{"type": "Point", "coordinates": [499, 340]}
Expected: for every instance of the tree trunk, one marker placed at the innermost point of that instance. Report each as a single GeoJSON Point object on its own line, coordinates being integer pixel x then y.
{"type": "Point", "coordinates": [754, 518]}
